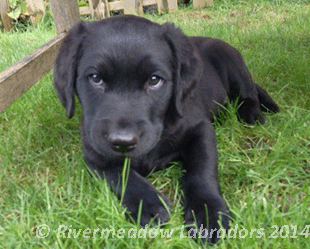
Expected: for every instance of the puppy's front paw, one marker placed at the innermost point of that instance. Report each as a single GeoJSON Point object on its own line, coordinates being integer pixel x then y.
{"type": "Point", "coordinates": [212, 233]}
{"type": "Point", "coordinates": [153, 208]}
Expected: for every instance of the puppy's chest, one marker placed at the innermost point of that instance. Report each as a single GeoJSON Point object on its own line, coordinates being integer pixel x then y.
{"type": "Point", "coordinates": [157, 160]}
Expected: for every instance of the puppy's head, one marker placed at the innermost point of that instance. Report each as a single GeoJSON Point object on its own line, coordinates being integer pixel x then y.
{"type": "Point", "coordinates": [130, 75]}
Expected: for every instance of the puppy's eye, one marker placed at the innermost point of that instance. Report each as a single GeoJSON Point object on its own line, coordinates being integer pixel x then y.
{"type": "Point", "coordinates": [95, 79]}
{"type": "Point", "coordinates": [154, 82]}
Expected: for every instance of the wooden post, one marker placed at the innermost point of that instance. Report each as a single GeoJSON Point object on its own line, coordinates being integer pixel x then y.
{"type": "Point", "coordinates": [65, 13]}
{"type": "Point", "coordinates": [133, 7]}
{"type": "Point", "coordinates": [100, 8]}
{"type": "Point", "coordinates": [6, 20]}
{"type": "Point", "coordinates": [165, 6]}
{"type": "Point", "coordinates": [93, 5]}
{"type": "Point", "coordinates": [106, 8]}
{"type": "Point", "coordinates": [201, 3]}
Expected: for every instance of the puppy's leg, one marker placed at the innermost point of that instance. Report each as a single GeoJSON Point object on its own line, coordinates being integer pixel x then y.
{"type": "Point", "coordinates": [252, 98]}
{"type": "Point", "coordinates": [137, 190]}
{"type": "Point", "coordinates": [241, 86]}
{"type": "Point", "coordinates": [200, 183]}
{"type": "Point", "coordinates": [238, 82]}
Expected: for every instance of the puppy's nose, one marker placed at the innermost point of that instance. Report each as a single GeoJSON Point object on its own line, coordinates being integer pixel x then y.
{"type": "Point", "coordinates": [123, 141]}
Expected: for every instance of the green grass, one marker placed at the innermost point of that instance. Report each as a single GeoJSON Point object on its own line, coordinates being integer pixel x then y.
{"type": "Point", "coordinates": [264, 170]}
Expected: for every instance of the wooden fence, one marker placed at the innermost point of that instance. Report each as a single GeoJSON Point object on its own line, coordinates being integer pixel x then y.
{"type": "Point", "coordinates": [17, 79]}
{"type": "Point", "coordinates": [103, 8]}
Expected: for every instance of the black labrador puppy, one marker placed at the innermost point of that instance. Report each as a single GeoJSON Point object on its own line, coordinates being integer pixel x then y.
{"type": "Point", "coordinates": [150, 92]}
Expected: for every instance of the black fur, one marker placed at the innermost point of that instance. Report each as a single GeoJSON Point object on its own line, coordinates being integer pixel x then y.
{"type": "Point", "coordinates": [150, 92]}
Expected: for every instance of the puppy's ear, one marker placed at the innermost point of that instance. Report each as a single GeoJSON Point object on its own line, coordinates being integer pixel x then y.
{"type": "Point", "coordinates": [186, 64]}
{"type": "Point", "coordinates": [66, 64]}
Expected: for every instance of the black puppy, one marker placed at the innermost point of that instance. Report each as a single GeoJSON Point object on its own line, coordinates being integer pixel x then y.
{"type": "Point", "coordinates": [150, 92]}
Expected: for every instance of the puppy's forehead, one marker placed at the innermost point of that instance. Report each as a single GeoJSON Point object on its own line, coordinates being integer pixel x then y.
{"type": "Point", "coordinates": [126, 40]}
{"type": "Point", "coordinates": [124, 25]}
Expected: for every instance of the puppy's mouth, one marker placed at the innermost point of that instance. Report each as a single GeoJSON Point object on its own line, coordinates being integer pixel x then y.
{"type": "Point", "coordinates": [122, 144]}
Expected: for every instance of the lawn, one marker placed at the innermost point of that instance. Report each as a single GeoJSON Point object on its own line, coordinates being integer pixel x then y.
{"type": "Point", "coordinates": [49, 200]}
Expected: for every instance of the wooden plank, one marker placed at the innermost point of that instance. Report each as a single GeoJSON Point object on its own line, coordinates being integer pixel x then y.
{"type": "Point", "coordinates": [129, 7]}
{"type": "Point", "coordinates": [118, 5]}
{"type": "Point", "coordinates": [65, 13]}
{"type": "Point", "coordinates": [165, 6]}
{"type": "Point", "coordinates": [201, 3]}
{"type": "Point", "coordinates": [133, 7]}
{"type": "Point", "coordinates": [6, 20]}
{"type": "Point", "coordinates": [85, 10]}
{"type": "Point", "coordinates": [172, 5]}
{"type": "Point", "coordinates": [17, 79]}
{"type": "Point", "coordinates": [149, 2]}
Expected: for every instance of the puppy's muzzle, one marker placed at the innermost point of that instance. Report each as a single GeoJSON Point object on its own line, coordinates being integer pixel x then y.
{"type": "Point", "coordinates": [123, 141]}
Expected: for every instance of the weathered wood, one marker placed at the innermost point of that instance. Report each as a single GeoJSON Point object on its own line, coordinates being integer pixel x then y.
{"type": "Point", "coordinates": [17, 79]}
{"type": "Point", "coordinates": [102, 9]}
{"type": "Point", "coordinates": [133, 7]}
{"type": "Point", "coordinates": [84, 10]}
{"type": "Point", "coordinates": [201, 3]}
{"type": "Point", "coordinates": [36, 5]}
{"type": "Point", "coordinates": [105, 8]}
{"type": "Point", "coordinates": [149, 2]}
{"type": "Point", "coordinates": [93, 5]}
{"type": "Point", "coordinates": [118, 5]}
{"type": "Point", "coordinates": [98, 8]}
{"type": "Point", "coordinates": [65, 13]}
{"type": "Point", "coordinates": [165, 6]}
{"type": "Point", "coordinates": [36, 10]}
{"type": "Point", "coordinates": [6, 20]}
